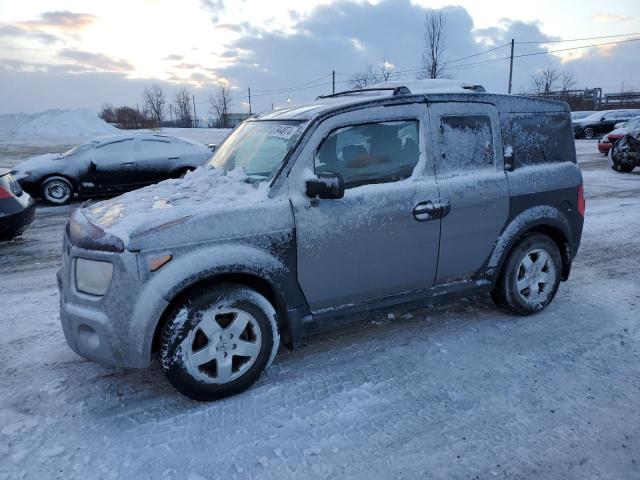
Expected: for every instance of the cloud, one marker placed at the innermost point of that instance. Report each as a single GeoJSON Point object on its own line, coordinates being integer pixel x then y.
{"type": "Point", "coordinates": [16, 32]}
{"type": "Point", "coordinates": [97, 61]}
{"type": "Point", "coordinates": [214, 8]}
{"type": "Point", "coordinates": [340, 36]}
{"type": "Point", "coordinates": [61, 20]}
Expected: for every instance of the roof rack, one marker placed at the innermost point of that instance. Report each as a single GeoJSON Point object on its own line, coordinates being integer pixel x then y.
{"type": "Point", "coordinates": [402, 90]}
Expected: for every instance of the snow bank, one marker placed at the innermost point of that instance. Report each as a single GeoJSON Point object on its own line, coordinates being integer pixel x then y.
{"type": "Point", "coordinates": [54, 123]}
{"type": "Point", "coordinates": [202, 191]}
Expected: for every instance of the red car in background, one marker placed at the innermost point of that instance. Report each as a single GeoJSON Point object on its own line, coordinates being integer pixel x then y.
{"type": "Point", "coordinates": [606, 142]}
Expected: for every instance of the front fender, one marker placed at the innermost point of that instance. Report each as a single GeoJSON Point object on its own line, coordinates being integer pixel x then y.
{"type": "Point", "coordinates": [542, 215]}
{"type": "Point", "coordinates": [190, 268]}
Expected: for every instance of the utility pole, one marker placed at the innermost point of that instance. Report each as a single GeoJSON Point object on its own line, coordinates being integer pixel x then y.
{"type": "Point", "coordinates": [249, 91]}
{"type": "Point", "coordinates": [511, 66]}
{"type": "Point", "coordinates": [195, 117]}
{"type": "Point", "coordinates": [333, 82]}
{"type": "Point", "coordinates": [171, 114]}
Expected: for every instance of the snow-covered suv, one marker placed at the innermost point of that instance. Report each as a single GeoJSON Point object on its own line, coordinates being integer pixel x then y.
{"type": "Point", "coordinates": [307, 216]}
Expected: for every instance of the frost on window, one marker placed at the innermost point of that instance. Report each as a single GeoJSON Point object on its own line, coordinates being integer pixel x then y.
{"type": "Point", "coordinates": [541, 138]}
{"type": "Point", "coordinates": [466, 143]}
{"type": "Point", "coordinates": [370, 153]}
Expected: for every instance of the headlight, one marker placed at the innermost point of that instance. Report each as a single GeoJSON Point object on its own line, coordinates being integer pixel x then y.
{"type": "Point", "coordinates": [93, 277]}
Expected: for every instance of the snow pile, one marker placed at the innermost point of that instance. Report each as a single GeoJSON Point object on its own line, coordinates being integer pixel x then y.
{"type": "Point", "coordinates": [202, 191]}
{"type": "Point", "coordinates": [54, 123]}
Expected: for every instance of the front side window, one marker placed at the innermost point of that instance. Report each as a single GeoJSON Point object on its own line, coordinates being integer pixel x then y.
{"type": "Point", "coordinates": [370, 153]}
{"type": "Point", "coordinates": [466, 143]}
{"type": "Point", "coordinates": [257, 147]}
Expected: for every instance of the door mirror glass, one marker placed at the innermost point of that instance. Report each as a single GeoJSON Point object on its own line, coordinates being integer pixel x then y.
{"type": "Point", "coordinates": [328, 186]}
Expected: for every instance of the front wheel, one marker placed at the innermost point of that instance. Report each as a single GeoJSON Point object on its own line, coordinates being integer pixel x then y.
{"type": "Point", "coordinates": [530, 276]}
{"type": "Point", "coordinates": [589, 133]}
{"type": "Point", "coordinates": [57, 190]}
{"type": "Point", "coordinates": [218, 342]}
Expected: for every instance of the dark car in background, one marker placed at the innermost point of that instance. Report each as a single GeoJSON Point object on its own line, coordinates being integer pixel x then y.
{"type": "Point", "coordinates": [632, 127]}
{"type": "Point", "coordinates": [110, 164]}
{"type": "Point", "coordinates": [599, 123]}
{"type": "Point", "coordinates": [17, 208]}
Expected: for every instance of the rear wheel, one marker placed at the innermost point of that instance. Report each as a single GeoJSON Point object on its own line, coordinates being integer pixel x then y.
{"type": "Point", "coordinates": [530, 276]}
{"type": "Point", "coordinates": [589, 133]}
{"type": "Point", "coordinates": [218, 342]}
{"type": "Point", "coordinates": [57, 190]}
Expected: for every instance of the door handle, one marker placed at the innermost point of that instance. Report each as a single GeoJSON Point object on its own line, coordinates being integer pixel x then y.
{"type": "Point", "coordinates": [425, 211]}
{"type": "Point", "coordinates": [129, 164]}
{"type": "Point", "coordinates": [174, 158]}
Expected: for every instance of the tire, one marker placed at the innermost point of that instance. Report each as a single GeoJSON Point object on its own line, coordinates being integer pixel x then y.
{"type": "Point", "coordinates": [621, 167]}
{"type": "Point", "coordinates": [200, 338]}
{"type": "Point", "coordinates": [57, 190]}
{"type": "Point", "coordinates": [589, 133]}
{"type": "Point", "coordinates": [530, 276]}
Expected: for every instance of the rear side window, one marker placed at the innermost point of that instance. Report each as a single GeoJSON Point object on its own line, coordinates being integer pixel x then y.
{"type": "Point", "coordinates": [370, 153]}
{"type": "Point", "coordinates": [541, 138]}
{"type": "Point", "coordinates": [466, 143]}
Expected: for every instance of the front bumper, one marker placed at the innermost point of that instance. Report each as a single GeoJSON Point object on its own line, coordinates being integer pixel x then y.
{"type": "Point", "coordinates": [106, 328]}
{"type": "Point", "coordinates": [15, 224]}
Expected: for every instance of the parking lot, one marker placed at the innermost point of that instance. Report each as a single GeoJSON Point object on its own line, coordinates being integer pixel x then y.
{"type": "Point", "coordinates": [460, 390]}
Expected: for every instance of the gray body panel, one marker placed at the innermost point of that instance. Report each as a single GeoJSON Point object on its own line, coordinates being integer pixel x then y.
{"type": "Point", "coordinates": [330, 259]}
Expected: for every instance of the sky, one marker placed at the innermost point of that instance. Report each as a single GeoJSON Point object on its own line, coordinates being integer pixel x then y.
{"type": "Point", "coordinates": [84, 53]}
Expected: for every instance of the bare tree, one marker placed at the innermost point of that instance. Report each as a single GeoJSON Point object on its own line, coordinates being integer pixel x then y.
{"type": "Point", "coordinates": [568, 81]}
{"type": "Point", "coordinates": [155, 103]}
{"type": "Point", "coordinates": [433, 64]}
{"type": "Point", "coordinates": [219, 105]}
{"type": "Point", "coordinates": [372, 73]}
{"type": "Point", "coordinates": [108, 113]}
{"type": "Point", "coordinates": [545, 80]}
{"type": "Point", "coordinates": [182, 107]}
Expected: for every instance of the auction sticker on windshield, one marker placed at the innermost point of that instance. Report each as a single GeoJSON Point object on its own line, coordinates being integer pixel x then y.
{"type": "Point", "coordinates": [283, 131]}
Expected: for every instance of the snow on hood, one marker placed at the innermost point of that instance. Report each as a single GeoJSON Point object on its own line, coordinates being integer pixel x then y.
{"type": "Point", "coordinates": [34, 163]}
{"type": "Point", "coordinates": [201, 192]}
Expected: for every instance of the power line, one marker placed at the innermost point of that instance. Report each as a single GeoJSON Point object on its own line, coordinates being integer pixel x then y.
{"type": "Point", "coordinates": [580, 39]}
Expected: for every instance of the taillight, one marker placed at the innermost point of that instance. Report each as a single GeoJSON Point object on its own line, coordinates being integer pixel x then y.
{"type": "Point", "coordinates": [581, 203]}
{"type": "Point", "coordinates": [4, 193]}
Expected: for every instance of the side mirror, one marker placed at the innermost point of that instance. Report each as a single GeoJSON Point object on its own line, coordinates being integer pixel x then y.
{"type": "Point", "coordinates": [329, 186]}
{"type": "Point", "coordinates": [212, 146]}
{"type": "Point", "coordinates": [92, 166]}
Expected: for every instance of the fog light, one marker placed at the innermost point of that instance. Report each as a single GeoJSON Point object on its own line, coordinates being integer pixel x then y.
{"type": "Point", "coordinates": [93, 277]}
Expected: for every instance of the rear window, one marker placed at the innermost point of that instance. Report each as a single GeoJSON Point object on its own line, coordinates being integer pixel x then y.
{"type": "Point", "coordinates": [541, 138]}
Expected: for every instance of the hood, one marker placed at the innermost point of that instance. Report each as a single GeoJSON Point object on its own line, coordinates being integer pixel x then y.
{"type": "Point", "coordinates": [202, 192]}
{"type": "Point", "coordinates": [38, 162]}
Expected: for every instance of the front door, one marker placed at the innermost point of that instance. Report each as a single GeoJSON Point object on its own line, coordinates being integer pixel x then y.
{"type": "Point", "coordinates": [376, 241]}
{"type": "Point", "coordinates": [114, 166]}
{"type": "Point", "coordinates": [473, 186]}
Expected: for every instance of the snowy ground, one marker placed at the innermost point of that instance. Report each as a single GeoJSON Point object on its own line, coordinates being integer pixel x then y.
{"type": "Point", "coordinates": [455, 391]}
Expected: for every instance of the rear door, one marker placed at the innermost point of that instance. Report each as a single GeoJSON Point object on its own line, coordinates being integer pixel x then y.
{"type": "Point", "coordinates": [156, 156]}
{"type": "Point", "coordinates": [469, 164]}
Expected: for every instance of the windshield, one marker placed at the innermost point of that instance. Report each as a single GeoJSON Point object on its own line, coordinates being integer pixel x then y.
{"type": "Point", "coordinates": [74, 150]}
{"type": "Point", "coordinates": [257, 147]}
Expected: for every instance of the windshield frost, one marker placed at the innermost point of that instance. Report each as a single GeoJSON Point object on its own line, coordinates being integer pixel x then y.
{"type": "Point", "coordinates": [257, 147]}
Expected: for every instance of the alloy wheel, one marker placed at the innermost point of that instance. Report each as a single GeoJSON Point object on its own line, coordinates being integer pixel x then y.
{"type": "Point", "coordinates": [536, 276]}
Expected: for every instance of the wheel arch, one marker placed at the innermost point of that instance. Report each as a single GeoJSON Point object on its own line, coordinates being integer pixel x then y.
{"type": "Point", "coordinates": [263, 286]}
{"type": "Point", "coordinates": [542, 219]}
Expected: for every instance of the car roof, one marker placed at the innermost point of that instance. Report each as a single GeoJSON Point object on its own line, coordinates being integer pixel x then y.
{"type": "Point", "coordinates": [119, 137]}
{"type": "Point", "coordinates": [411, 92]}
